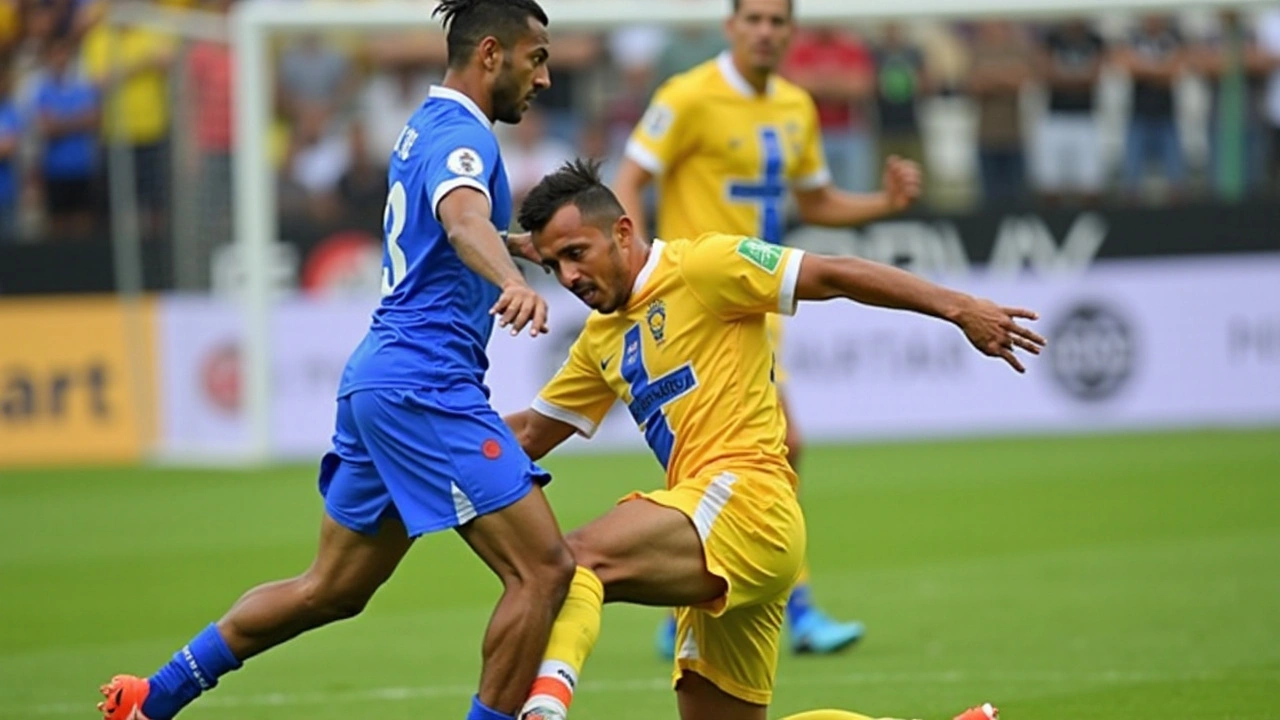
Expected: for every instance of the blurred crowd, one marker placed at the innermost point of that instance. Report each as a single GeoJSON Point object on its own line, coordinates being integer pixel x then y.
{"type": "Point", "coordinates": [1148, 109]}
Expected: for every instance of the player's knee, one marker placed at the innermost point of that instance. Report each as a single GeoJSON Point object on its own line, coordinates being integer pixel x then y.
{"type": "Point", "coordinates": [547, 576]}
{"type": "Point", "coordinates": [332, 601]}
{"type": "Point", "coordinates": [590, 556]}
{"type": "Point", "coordinates": [559, 573]}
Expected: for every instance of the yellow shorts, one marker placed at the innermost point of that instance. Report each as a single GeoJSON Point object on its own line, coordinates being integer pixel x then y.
{"type": "Point", "coordinates": [773, 328]}
{"type": "Point", "coordinates": [753, 536]}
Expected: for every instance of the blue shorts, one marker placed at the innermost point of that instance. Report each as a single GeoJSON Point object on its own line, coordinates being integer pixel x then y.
{"type": "Point", "coordinates": [436, 459]}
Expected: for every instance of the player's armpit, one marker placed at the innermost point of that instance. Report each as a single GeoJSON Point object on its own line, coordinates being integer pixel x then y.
{"type": "Point", "coordinates": [537, 433]}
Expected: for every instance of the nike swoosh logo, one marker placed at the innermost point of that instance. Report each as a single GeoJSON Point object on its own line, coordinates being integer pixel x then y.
{"type": "Point", "coordinates": [604, 364]}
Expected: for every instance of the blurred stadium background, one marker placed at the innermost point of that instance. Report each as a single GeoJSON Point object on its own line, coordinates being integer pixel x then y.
{"type": "Point", "coordinates": [1099, 538]}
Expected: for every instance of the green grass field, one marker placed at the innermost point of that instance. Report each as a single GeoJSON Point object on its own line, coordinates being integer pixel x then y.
{"type": "Point", "coordinates": [1106, 578]}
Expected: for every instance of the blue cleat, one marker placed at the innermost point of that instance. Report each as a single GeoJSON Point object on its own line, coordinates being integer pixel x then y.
{"type": "Point", "coordinates": [666, 639]}
{"type": "Point", "coordinates": [814, 632]}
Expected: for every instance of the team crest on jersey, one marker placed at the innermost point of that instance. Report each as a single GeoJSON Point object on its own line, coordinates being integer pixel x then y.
{"type": "Point", "coordinates": [465, 161]}
{"type": "Point", "coordinates": [656, 318]}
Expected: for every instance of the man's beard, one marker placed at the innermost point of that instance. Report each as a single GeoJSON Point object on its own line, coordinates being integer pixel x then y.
{"type": "Point", "coordinates": [507, 97]}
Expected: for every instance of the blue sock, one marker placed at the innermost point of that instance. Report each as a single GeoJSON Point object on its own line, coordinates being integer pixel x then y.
{"type": "Point", "coordinates": [193, 669]}
{"type": "Point", "coordinates": [479, 711]}
{"type": "Point", "coordinates": [799, 604]}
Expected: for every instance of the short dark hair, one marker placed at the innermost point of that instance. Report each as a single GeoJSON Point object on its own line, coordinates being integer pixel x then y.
{"type": "Point", "coordinates": [576, 183]}
{"type": "Point", "coordinates": [467, 22]}
{"type": "Point", "coordinates": [791, 7]}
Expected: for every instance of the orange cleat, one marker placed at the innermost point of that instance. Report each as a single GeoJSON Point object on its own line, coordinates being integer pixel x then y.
{"type": "Point", "coordinates": [124, 696]}
{"type": "Point", "coordinates": [986, 711]}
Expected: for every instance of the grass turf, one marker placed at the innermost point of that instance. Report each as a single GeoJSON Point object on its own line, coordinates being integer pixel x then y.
{"type": "Point", "coordinates": [1105, 578]}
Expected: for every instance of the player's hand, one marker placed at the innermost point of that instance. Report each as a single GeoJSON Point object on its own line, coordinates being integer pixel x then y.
{"type": "Point", "coordinates": [901, 182]}
{"type": "Point", "coordinates": [994, 332]}
{"type": "Point", "coordinates": [520, 245]}
{"type": "Point", "coordinates": [518, 306]}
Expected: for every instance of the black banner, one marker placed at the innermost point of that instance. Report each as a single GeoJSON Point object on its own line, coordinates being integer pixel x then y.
{"type": "Point", "coordinates": [1051, 240]}
{"type": "Point", "coordinates": [1030, 238]}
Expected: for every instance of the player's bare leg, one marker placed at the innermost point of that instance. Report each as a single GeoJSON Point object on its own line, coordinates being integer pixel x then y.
{"type": "Point", "coordinates": [699, 699]}
{"type": "Point", "coordinates": [810, 629]}
{"type": "Point", "coordinates": [982, 712]}
{"type": "Point", "coordinates": [639, 552]}
{"type": "Point", "coordinates": [347, 570]}
{"type": "Point", "coordinates": [523, 545]}
{"type": "Point", "coordinates": [646, 554]}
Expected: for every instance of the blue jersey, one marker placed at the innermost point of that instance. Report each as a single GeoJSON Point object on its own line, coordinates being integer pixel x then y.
{"type": "Point", "coordinates": [433, 324]}
{"type": "Point", "coordinates": [11, 126]}
{"type": "Point", "coordinates": [72, 156]}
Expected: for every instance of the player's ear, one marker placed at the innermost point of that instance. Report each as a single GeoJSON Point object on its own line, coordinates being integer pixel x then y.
{"type": "Point", "coordinates": [490, 53]}
{"type": "Point", "coordinates": [624, 232]}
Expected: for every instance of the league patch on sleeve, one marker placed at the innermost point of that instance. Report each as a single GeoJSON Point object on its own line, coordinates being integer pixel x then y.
{"type": "Point", "coordinates": [763, 255]}
{"type": "Point", "coordinates": [657, 120]}
{"type": "Point", "coordinates": [465, 161]}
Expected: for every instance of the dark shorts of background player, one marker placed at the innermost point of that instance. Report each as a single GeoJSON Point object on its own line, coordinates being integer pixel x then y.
{"type": "Point", "coordinates": [151, 173]}
{"type": "Point", "coordinates": [68, 196]}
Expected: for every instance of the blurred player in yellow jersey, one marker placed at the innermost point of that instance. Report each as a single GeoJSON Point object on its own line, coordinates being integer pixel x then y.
{"type": "Point", "coordinates": [679, 335]}
{"type": "Point", "coordinates": [728, 141]}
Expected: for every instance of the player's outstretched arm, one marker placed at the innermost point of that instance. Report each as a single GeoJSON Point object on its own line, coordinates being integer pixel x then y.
{"type": "Point", "coordinates": [464, 214]}
{"type": "Point", "coordinates": [991, 328]}
{"type": "Point", "coordinates": [830, 206]}
{"type": "Point", "coordinates": [537, 433]}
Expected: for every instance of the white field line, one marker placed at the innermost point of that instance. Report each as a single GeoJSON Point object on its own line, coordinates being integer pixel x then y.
{"type": "Point", "coordinates": [646, 685]}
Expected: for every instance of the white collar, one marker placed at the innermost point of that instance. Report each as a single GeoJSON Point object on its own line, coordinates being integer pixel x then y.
{"type": "Point", "coordinates": [655, 254]}
{"type": "Point", "coordinates": [440, 91]}
{"type": "Point", "coordinates": [724, 61]}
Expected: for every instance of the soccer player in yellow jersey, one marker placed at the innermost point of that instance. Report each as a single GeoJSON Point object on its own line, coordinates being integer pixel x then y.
{"type": "Point", "coordinates": [728, 142]}
{"type": "Point", "coordinates": [678, 334]}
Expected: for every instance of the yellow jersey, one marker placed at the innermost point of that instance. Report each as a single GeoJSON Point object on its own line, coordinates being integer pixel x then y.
{"type": "Point", "coordinates": [689, 358]}
{"type": "Point", "coordinates": [725, 156]}
{"type": "Point", "coordinates": [144, 98]}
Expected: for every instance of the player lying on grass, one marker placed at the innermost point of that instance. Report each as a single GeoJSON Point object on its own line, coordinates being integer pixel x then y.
{"type": "Point", "coordinates": [679, 336]}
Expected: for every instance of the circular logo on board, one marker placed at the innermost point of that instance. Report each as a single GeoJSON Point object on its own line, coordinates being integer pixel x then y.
{"type": "Point", "coordinates": [1092, 352]}
{"type": "Point", "coordinates": [220, 377]}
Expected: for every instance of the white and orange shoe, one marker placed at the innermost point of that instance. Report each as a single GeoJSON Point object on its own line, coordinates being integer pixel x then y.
{"type": "Point", "coordinates": [124, 697]}
{"type": "Point", "coordinates": [985, 711]}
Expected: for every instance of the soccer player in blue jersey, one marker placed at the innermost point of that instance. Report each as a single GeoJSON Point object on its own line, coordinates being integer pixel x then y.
{"type": "Point", "coordinates": [417, 448]}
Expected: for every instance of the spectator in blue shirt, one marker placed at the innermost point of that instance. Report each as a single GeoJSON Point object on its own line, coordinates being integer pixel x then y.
{"type": "Point", "coordinates": [10, 139]}
{"type": "Point", "coordinates": [68, 111]}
